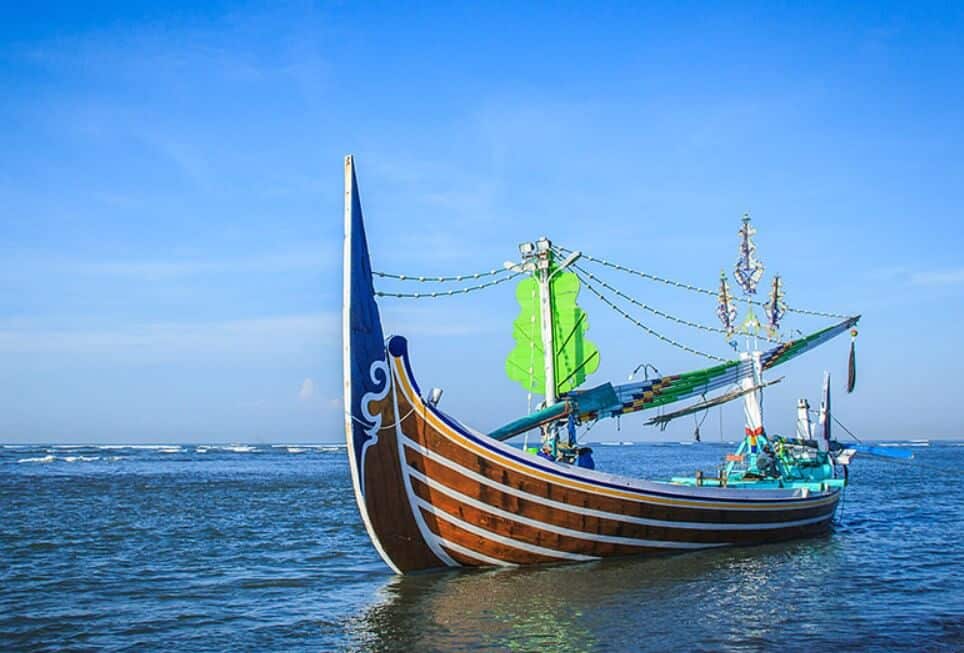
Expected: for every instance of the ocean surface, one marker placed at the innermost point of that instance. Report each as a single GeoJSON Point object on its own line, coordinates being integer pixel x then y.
{"type": "Point", "coordinates": [260, 548]}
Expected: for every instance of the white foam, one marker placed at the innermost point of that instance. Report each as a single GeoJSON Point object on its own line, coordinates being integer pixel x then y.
{"type": "Point", "coordinates": [145, 447]}
{"type": "Point", "coordinates": [239, 448]}
{"type": "Point", "coordinates": [81, 459]}
{"type": "Point", "coordinates": [43, 459]}
{"type": "Point", "coordinates": [296, 449]}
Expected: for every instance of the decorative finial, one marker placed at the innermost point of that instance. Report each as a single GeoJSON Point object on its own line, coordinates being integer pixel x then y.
{"type": "Point", "coordinates": [726, 309]}
{"type": "Point", "coordinates": [748, 270]}
{"type": "Point", "coordinates": [775, 307]}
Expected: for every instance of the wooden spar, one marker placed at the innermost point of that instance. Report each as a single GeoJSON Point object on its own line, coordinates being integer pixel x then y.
{"type": "Point", "coordinates": [536, 419]}
{"type": "Point", "coordinates": [709, 403]}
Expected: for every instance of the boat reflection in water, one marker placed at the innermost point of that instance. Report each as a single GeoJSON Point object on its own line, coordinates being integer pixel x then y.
{"type": "Point", "coordinates": [707, 600]}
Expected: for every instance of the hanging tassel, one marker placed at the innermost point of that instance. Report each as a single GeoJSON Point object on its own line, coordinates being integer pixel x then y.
{"type": "Point", "coordinates": [852, 367]}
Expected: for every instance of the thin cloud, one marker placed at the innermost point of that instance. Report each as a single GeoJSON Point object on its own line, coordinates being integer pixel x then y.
{"type": "Point", "coordinates": [307, 390]}
{"type": "Point", "coordinates": [167, 269]}
{"type": "Point", "coordinates": [432, 321]}
{"type": "Point", "coordinates": [265, 336]}
{"type": "Point", "coordinates": [190, 160]}
{"type": "Point", "coordinates": [949, 277]}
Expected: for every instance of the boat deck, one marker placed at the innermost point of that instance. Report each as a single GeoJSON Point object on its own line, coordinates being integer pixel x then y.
{"type": "Point", "coordinates": [762, 484]}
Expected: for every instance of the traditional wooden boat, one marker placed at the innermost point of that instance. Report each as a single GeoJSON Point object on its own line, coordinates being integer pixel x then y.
{"type": "Point", "coordinates": [434, 492]}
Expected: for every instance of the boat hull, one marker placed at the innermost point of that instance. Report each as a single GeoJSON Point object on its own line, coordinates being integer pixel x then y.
{"type": "Point", "coordinates": [435, 493]}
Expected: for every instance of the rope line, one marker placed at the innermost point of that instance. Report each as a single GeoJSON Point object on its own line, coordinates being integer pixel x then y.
{"type": "Point", "coordinates": [644, 275]}
{"type": "Point", "coordinates": [690, 287]}
{"type": "Point", "coordinates": [425, 279]}
{"type": "Point", "coordinates": [832, 316]}
{"type": "Point", "coordinates": [652, 332]}
{"type": "Point", "coordinates": [656, 311]}
{"type": "Point", "coordinates": [445, 293]}
{"type": "Point", "coordinates": [564, 250]}
{"type": "Point", "coordinates": [383, 428]}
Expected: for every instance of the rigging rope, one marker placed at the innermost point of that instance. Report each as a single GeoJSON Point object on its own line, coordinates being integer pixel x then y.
{"type": "Point", "coordinates": [840, 424]}
{"type": "Point", "coordinates": [686, 286]}
{"type": "Point", "coordinates": [652, 332]}
{"type": "Point", "coordinates": [383, 428]}
{"type": "Point", "coordinates": [445, 293]}
{"type": "Point", "coordinates": [424, 279]}
{"type": "Point", "coordinates": [656, 311]}
{"type": "Point", "coordinates": [639, 273]}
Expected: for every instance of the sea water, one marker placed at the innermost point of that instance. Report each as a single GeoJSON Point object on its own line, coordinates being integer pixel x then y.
{"type": "Point", "coordinates": [260, 547]}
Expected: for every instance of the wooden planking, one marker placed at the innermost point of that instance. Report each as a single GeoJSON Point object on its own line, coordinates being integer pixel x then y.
{"type": "Point", "coordinates": [591, 543]}
{"type": "Point", "coordinates": [591, 524]}
{"type": "Point", "coordinates": [385, 501]}
{"type": "Point", "coordinates": [466, 558]}
{"type": "Point", "coordinates": [488, 547]}
{"type": "Point", "coordinates": [424, 434]}
{"type": "Point", "coordinates": [526, 533]}
{"type": "Point", "coordinates": [472, 518]}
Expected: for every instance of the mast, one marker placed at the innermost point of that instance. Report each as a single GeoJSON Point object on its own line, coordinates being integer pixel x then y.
{"type": "Point", "coordinates": [748, 271]}
{"type": "Point", "coordinates": [543, 274]}
{"type": "Point", "coordinates": [751, 403]}
{"type": "Point", "coordinates": [538, 259]}
{"type": "Point", "coordinates": [825, 415]}
{"type": "Point", "coordinates": [804, 427]}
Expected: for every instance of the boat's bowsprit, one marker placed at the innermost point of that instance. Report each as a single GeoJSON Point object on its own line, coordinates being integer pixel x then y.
{"type": "Point", "coordinates": [370, 416]}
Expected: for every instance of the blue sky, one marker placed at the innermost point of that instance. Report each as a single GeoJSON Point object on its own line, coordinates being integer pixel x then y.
{"type": "Point", "coordinates": [170, 199]}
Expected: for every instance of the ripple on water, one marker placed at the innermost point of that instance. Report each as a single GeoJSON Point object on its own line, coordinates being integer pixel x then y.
{"type": "Point", "coordinates": [258, 547]}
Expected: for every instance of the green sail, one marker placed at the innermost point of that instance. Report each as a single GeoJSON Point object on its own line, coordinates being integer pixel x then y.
{"type": "Point", "coordinates": [575, 356]}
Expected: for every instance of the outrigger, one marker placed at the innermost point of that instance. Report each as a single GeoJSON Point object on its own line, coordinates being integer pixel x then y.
{"type": "Point", "coordinates": [434, 492]}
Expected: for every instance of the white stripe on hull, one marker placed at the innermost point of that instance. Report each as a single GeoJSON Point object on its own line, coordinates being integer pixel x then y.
{"type": "Point", "coordinates": [562, 530]}
{"type": "Point", "coordinates": [430, 539]}
{"type": "Point", "coordinates": [481, 557]}
{"type": "Point", "coordinates": [495, 537]}
{"type": "Point", "coordinates": [601, 514]}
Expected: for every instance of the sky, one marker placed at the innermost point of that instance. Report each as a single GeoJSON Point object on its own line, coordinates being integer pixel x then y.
{"type": "Point", "coordinates": [171, 188]}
